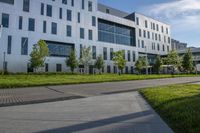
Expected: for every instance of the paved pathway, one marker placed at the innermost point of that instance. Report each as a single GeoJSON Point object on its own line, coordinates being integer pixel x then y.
{"type": "Point", "coordinates": [116, 113]}
{"type": "Point", "coordinates": [65, 92]}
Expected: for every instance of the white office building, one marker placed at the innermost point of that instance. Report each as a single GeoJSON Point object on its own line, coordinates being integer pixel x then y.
{"type": "Point", "coordinates": [72, 24]}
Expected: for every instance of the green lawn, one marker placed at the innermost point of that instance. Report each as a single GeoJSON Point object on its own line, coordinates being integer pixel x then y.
{"type": "Point", "coordinates": [178, 105]}
{"type": "Point", "coordinates": [23, 80]}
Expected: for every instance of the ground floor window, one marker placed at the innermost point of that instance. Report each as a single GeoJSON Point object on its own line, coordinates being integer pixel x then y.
{"type": "Point", "coordinates": [58, 67]}
{"type": "Point", "coordinates": [46, 67]}
{"type": "Point", "coordinates": [108, 69]}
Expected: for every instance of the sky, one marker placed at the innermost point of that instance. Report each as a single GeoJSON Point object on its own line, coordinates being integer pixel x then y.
{"type": "Point", "coordinates": [182, 15]}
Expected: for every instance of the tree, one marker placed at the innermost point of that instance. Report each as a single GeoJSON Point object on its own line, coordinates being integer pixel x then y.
{"type": "Point", "coordinates": [174, 60]}
{"type": "Point", "coordinates": [118, 58]}
{"type": "Point", "coordinates": [158, 64]}
{"type": "Point", "coordinates": [72, 62]}
{"type": "Point", "coordinates": [99, 63]}
{"type": "Point", "coordinates": [187, 62]}
{"type": "Point", "coordinates": [38, 54]}
{"type": "Point", "coordinates": [86, 58]}
{"type": "Point", "coordinates": [140, 64]}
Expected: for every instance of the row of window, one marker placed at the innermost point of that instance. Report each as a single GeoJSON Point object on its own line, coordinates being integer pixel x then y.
{"type": "Point", "coordinates": [141, 44]}
{"type": "Point", "coordinates": [155, 36]}
{"type": "Point", "coordinates": [105, 53]}
{"type": "Point", "coordinates": [153, 26]}
{"type": "Point", "coordinates": [31, 26]}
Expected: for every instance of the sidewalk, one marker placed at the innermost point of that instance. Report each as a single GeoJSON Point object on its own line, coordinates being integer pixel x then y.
{"type": "Point", "coordinates": [31, 95]}
{"type": "Point", "coordinates": [116, 113]}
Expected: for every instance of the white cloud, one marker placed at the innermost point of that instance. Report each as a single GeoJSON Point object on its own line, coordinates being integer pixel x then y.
{"type": "Point", "coordinates": [183, 15]}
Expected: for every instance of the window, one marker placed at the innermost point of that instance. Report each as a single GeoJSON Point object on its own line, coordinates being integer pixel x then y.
{"type": "Point", "coordinates": [158, 47]}
{"type": "Point", "coordinates": [5, 20]}
{"type": "Point", "coordinates": [167, 48]}
{"type": "Point", "coordinates": [93, 21]}
{"type": "Point", "coordinates": [64, 2]}
{"type": "Point", "coordinates": [162, 29]}
{"type": "Point", "coordinates": [146, 24]}
{"type": "Point", "coordinates": [153, 36]}
{"type": "Point", "coordinates": [167, 31]}
{"type": "Point", "coordinates": [143, 44]}
{"type": "Point", "coordinates": [94, 52]}
{"type": "Point", "coordinates": [24, 46]}
{"type": "Point", "coordinates": [59, 49]}
{"type": "Point", "coordinates": [46, 67]}
{"type": "Point", "coordinates": [8, 1]}
{"type": "Point", "coordinates": [69, 15]}
{"type": "Point", "coordinates": [159, 36]}
{"type": "Point", "coordinates": [138, 43]}
{"type": "Point", "coordinates": [83, 4]}
{"type": "Point", "coordinates": [129, 55]}
{"type": "Point", "coordinates": [58, 67]}
{"type": "Point", "coordinates": [81, 49]}
{"type": "Point", "coordinates": [82, 33]}
{"type": "Point", "coordinates": [60, 13]}
{"type": "Point", "coordinates": [169, 40]}
{"type": "Point", "coordinates": [137, 21]}
{"type": "Point", "coordinates": [140, 33]}
{"type": "Point", "coordinates": [105, 53]}
{"type": "Point", "coordinates": [144, 32]}
{"type": "Point", "coordinates": [20, 22]}
{"type": "Point", "coordinates": [108, 11]}
{"type": "Point", "coordinates": [53, 28]}
{"type": "Point", "coordinates": [49, 10]}
{"type": "Point", "coordinates": [42, 9]}
{"type": "Point", "coordinates": [79, 17]}
{"type": "Point", "coordinates": [9, 44]}
{"type": "Point", "coordinates": [72, 3]}
{"type": "Point", "coordinates": [31, 24]}
{"type": "Point", "coordinates": [133, 56]}
{"type": "Point", "coordinates": [108, 69]}
{"type": "Point", "coordinates": [157, 27]}
{"type": "Point", "coordinates": [44, 26]}
{"type": "Point", "coordinates": [69, 31]}
{"type": "Point", "coordinates": [90, 6]}
{"type": "Point", "coordinates": [115, 33]}
{"type": "Point", "coordinates": [163, 47]}
{"type": "Point", "coordinates": [148, 33]}
{"type": "Point", "coordinates": [156, 36]}
{"type": "Point", "coordinates": [90, 35]}
{"type": "Point", "coordinates": [26, 5]}
{"type": "Point", "coordinates": [111, 53]}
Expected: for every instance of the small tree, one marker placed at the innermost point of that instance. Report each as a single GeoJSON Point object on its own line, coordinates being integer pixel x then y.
{"type": "Point", "coordinates": [140, 64]}
{"type": "Point", "coordinates": [86, 58]}
{"type": "Point", "coordinates": [99, 63]}
{"type": "Point", "coordinates": [38, 54]}
{"type": "Point", "coordinates": [187, 62]}
{"type": "Point", "coordinates": [158, 64]}
{"type": "Point", "coordinates": [174, 60]}
{"type": "Point", "coordinates": [72, 62]}
{"type": "Point", "coordinates": [118, 58]}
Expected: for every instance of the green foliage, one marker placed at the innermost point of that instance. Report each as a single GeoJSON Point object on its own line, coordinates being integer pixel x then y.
{"type": "Point", "coordinates": [173, 59]}
{"type": "Point", "coordinates": [72, 62]}
{"type": "Point", "coordinates": [118, 58]}
{"type": "Point", "coordinates": [99, 64]}
{"type": "Point", "coordinates": [140, 64]}
{"type": "Point", "coordinates": [86, 58]}
{"type": "Point", "coordinates": [38, 54]}
{"type": "Point", "coordinates": [158, 64]}
{"type": "Point", "coordinates": [187, 62]}
{"type": "Point", "coordinates": [178, 105]}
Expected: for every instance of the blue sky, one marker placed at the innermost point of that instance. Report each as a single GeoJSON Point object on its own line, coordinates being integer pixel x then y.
{"type": "Point", "coordinates": [182, 15]}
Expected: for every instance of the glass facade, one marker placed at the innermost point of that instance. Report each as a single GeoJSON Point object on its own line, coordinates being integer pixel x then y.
{"type": "Point", "coordinates": [115, 33]}
{"type": "Point", "coordinates": [59, 49]}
